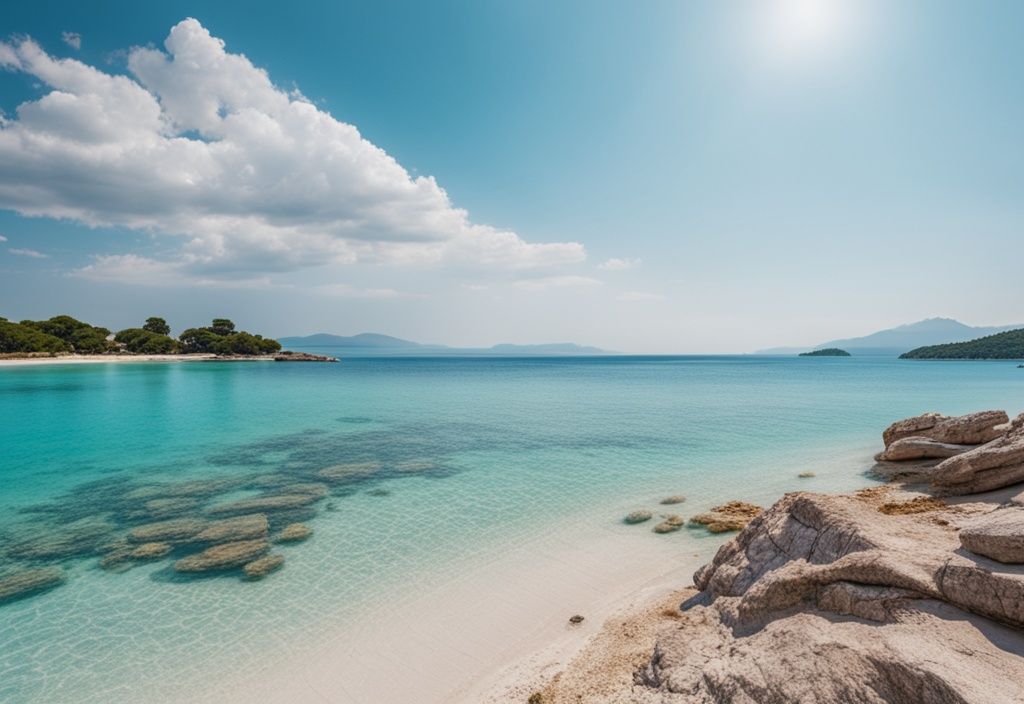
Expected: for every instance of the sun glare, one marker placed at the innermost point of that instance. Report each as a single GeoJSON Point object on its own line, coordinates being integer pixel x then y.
{"type": "Point", "coordinates": [793, 30]}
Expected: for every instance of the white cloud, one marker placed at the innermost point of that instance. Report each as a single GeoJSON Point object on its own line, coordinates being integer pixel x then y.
{"type": "Point", "coordinates": [21, 252]}
{"type": "Point", "coordinates": [619, 264]}
{"type": "Point", "coordinates": [639, 296]}
{"type": "Point", "coordinates": [143, 271]}
{"type": "Point", "coordinates": [199, 144]}
{"type": "Point", "coordinates": [72, 39]}
{"type": "Point", "coordinates": [2, 238]}
{"type": "Point", "coordinates": [546, 282]}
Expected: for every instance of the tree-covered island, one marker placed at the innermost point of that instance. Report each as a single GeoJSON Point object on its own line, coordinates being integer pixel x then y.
{"type": "Point", "coordinates": [64, 335]}
{"type": "Point", "coordinates": [827, 352]}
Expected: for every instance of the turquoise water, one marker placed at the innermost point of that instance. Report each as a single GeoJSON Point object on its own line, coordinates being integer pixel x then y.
{"type": "Point", "coordinates": [469, 456]}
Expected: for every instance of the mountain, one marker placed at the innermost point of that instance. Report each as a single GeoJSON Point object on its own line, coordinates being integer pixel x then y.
{"type": "Point", "coordinates": [374, 343]}
{"type": "Point", "coordinates": [896, 341]}
{"type": "Point", "coordinates": [1003, 345]}
{"type": "Point", "coordinates": [365, 339]}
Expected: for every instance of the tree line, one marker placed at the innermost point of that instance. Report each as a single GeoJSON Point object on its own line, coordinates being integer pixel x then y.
{"type": "Point", "coordinates": [64, 334]}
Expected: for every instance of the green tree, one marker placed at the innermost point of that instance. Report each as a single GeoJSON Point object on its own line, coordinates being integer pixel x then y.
{"type": "Point", "coordinates": [222, 326]}
{"type": "Point", "coordinates": [81, 337]}
{"type": "Point", "coordinates": [142, 341]}
{"type": "Point", "coordinates": [157, 325]}
{"type": "Point", "coordinates": [17, 338]}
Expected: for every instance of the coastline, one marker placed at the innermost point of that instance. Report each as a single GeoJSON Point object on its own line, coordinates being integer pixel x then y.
{"type": "Point", "coordinates": [125, 358]}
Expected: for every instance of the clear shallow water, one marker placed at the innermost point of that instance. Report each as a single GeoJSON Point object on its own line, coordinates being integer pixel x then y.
{"type": "Point", "coordinates": [475, 454]}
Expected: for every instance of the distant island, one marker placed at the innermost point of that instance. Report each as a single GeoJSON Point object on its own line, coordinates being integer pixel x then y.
{"type": "Point", "coordinates": [369, 343]}
{"type": "Point", "coordinates": [63, 335]}
{"type": "Point", "coordinates": [827, 352]}
{"type": "Point", "coordinates": [895, 341]}
{"type": "Point", "coordinates": [1004, 345]}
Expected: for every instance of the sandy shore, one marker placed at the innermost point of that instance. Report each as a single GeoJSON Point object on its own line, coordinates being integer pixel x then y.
{"type": "Point", "coordinates": [119, 358]}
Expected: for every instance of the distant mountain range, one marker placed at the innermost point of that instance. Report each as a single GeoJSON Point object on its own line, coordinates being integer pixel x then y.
{"type": "Point", "coordinates": [896, 341]}
{"type": "Point", "coordinates": [375, 343]}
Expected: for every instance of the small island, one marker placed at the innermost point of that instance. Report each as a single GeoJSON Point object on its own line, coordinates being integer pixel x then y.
{"type": "Point", "coordinates": [64, 336]}
{"type": "Point", "coordinates": [1003, 345]}
{"type": "Point", "coordinates": [827, 352]}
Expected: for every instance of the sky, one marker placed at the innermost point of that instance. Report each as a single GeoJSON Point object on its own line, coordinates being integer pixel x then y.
{"type": "Point", "coordinates": [663, 177]}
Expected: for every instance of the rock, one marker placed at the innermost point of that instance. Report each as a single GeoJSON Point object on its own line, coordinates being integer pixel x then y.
{"type": "Point", "coordinates": [294, 533]}
{"type": "Point", "coordinates": [247, 527]}
{"type": "Point", "coordinates": [223, 556]}
{"type": "Point", "coordinates": [790, 611]}
{"type": "Point", "coordinates": [349, 471]}
{"type": "Point", "coordinates": [637, 517]}
{"type": "Point", "coordinates": [998, 535]}
{"type": "Point", "coordinates": [258, 569]}
{"type": "Point", "coordinates": [806, 475]}
{"type": "Point", "coordinates": [289, 356]}
{"type": "Point", "coordinates": [165, 508]}
{"type": "Point", "coordinates": [920, 448]}
{"type": "Point", "coordinates": [670, 500]}
{"type": "Point", "coordinates": [970, 429]}
{"type": "Point", "coordinates": [116, 560]}
{"type": "Point", "coordinates": [150, 551]}
{"type": "Point", "coordinates": [734, 515]}
{"type": "Point", "coordinates": [670, 524]}
{"type": "Point", "coordinates": [379, 492]}
{"type": "Point", "coordinates": [991, 466]}
{"type": "Point", "coordinates": [174, 530]}
{"type": "Point", "coordinates": [264, 503]}
{"type": "Point", "coordinates": [575, 620]}
{"type": "Point", "coordinates": [48, 542]}
{"type": "Point", "coordinates": [194, 488]}
{"type": "Point", "coordinates": [918, 504]}
{"type": "Point", "coordinates": [317, 489]}
{"type": "Point", "coordinates": [28, 582]}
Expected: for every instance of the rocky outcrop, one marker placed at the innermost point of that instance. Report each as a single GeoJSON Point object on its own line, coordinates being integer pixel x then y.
{"type": "Point", "coordinates": [348, 471]}
{"type": "Point", "coordinates": [670, 524]}
{"type": "Point", "coordinates": [45, 542]}
{"type": "Point", "coordinates": [991, 466]}
{"type": "Point", "coordinates": [289, 356]}
{"type": "Point", "coordinates": [734, 515]}
{"type": "Point", "coordinates": [258, 569]}
{"type": "Point", "coordinates": [247, 527]}
{"type": "Point", "coordinates": [150, 551]}
{"type": "Point", "coordinates": [294, 533]}
{"type": "Point", "coordinates": [790, 608]}
{"type": "Point", "coordinates": [28, 582]}
{"type": "Point", "coordinates": [177, 529]}
{"type": "Point", "coordinates": [970, 429]}
{"type": "Point", "coordinates": [223, 556]}
{"type": "Point", "coordinates": [920, 448]}
{"type": "Point", "coordinates": [634, 517]}
{"type": "Point", "coordinates": [671, 500]}
{"type": "Point", "coordinates": [998, 535]}
{"type": "Point", "coordinates": [261, 504]}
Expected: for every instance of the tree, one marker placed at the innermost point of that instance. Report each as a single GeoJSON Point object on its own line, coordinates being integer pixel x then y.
{"type": "Point", "coordinates": [142, 341]}
{"type": "Point", "coordinates": [15, 337]}
{"type": "Point", "coordinates": [222, 326]}
{"type": "Point", "coordinates": [82, 337]}
{"type": "Point", "coordinates": [198, 340]}
{"type": "Point", "coordinates": [157, 325]}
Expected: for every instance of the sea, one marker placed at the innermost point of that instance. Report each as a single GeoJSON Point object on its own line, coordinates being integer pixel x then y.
{"type": "Point", "coordinates": [418, 474]}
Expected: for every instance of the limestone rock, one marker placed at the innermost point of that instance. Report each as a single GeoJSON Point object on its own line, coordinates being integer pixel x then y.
{"type": "Point", "coordinates": [223, 556]}
{"type": "Point", "coordinates": [670, 500]}
{"type": "Point", "coordinates": [176, 529]}
{"type": "Point", "coordinates": [260, 568]}
{"type": "Point", "coordinates": [998, 535]}
{"type": "Point", "coordinates": [670, 524]}
{"type": "Point", "coordinates": [970, 429]}
{"type": "Point", "coordinates": [247, 527]}
{"type": "Point", "coordinates": [47, 542]}
{"type": "Point", "coordinates": [349, 471]}
{"type": "Point", "coordinates": [282, 502]}
{"type": "Point", "coordinates": [734, 515]}
{"type": "Point", "coordinates": [991, 466]}
{"type": "Point", "coordinates": [150, 551]}
{"type": "Point", "coordinates": [28, 582]}
{"type": "Point", "coordinates": [790, 609]}
{"type": "Point", "coordinates": [637, 517]}
{"type": "Point", "coordinates": [920, 448]}
{"type": "Point", "coordinates": [294, 532]}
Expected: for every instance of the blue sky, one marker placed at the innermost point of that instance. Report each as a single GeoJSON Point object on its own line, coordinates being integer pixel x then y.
{"type": "Point", "coordinates": [661, 177]}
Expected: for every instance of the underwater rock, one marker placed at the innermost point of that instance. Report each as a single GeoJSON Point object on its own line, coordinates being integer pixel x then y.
{"type": "Point", "coordinates": [637, 517]}
{"type": "Point", "coordinates": [165, 508]}
{"type": "Point", "coordinates": [379, 492]}
{"type": "Point", "coordinates": [734, 515]}
{"type": "Point", "coordinates": [28, 582]}
{"type": "Point", "coordinates": [75, 538]}
{"type": "Point", "coordinates": [317, 489]}
{"type": "Point", "coordinates": [150, 551]}
{"type": "Point", "coordinates": [294, 532]}
{"type": "Point", "coordinates": [223, 556]}
{"type": "Point", "coordinates": [258, 569]}
{"type": "Point", "coordinates": [670, 500]}
{"type": "Point", "coordinates": [806, 475]}
{"type": "Point", "coordinates": [264, 503]}
{"type": "Point", "coordinates": [117, 560]}
{"type": "Point", "coordinates": [194, 488]}
{"type": "Point", "coordinates": [349, 471]}
{"type": "Point", "coordinates": [247, 527]}
{"type": "Point", "coordinates": [670, 524]}
{"type": "Point", "coordinates": [174, 530]}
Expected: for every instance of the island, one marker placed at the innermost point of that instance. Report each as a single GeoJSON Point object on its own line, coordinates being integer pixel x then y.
{"type": "Point", "coordinates": [1004, 345]}
{"type": "Point", "coordinates": [827, 352]}
{"type": "Point", "coordinates": [65, 336]}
